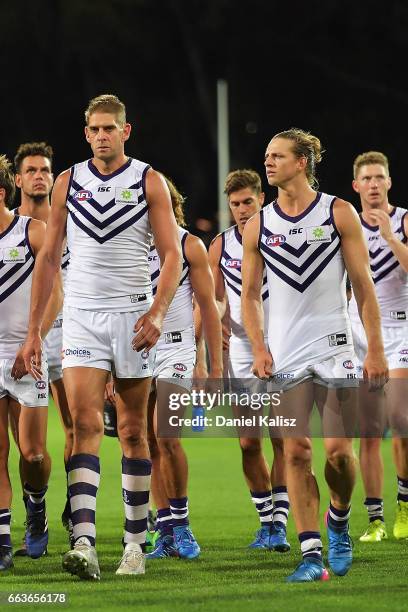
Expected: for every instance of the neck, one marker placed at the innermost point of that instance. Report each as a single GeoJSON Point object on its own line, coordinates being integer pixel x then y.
{"type": "Point", "coordinates": [294, 199]}
{"type": "Point", "coordinates": [6, 217]}
{"type": "Point", "coordinates": [385, 206]}
{"type": "Point", "coordinates": [35, 209]}
{"type": "Point", "coordinates": [109, 166]}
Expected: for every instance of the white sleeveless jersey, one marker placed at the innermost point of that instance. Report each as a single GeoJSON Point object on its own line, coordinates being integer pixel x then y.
{"type": "Point", "coordinates": [16, 267]}
{"type": "Point", "coordinates": [230, 265]}
{"type": "Point", "coordinates": [390, 278]}
{"type": "Point", "coordinates": [308, 319]}
{"type": "Point", "coordinates": [108, 237]}
{"type": "Point", "coordinates": [180, 313]}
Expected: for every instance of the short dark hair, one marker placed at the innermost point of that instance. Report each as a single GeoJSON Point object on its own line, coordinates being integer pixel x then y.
{"type": "Point", "coordinates": [241, 179]}
{"type": "Point", "coordinates": [7, 180]}
{"type": "Point", "coordinates": [28, 149]}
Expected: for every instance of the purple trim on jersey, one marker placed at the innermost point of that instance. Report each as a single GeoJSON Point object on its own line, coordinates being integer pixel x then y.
{"type": "Point", "coordinates": [222, 248]}
{"type": "Point", "coordinates": [27, 237]}
{"type": "Point", "coordinates": [226, 273]}
{"type": "Point", "coordinates": [17, 283]}
{"type": "Point", "coordinates": [265, 295]}
{"type": "Point", "coordinates": [107, 177]}
{"type": "Point", "coordinates": [15, 211]}
{"type": "Point", "coordinates": [402, 225]}
{"type": "Point", "coordinates": [183, 244]}
{"type": "Point", "coordinates": [10, 227]}
{"type": "Point", "coordinates": [237, 234]}
{"type": "Point", "coordinates": [385, 272]}
{"type": "Point", "coordinates": [71, 180]}
{"type": "Point", "coordinates": [374, 228]}
{"type": "Point", "coordinates": [375, 254]}
{"type": "Point", "coordinates": [143, 181]}
{"type": "Point", "coordinates": [115, 232]}
{"type": "Point", "coordinates": [183, 278]}
{"type": "Point", "coordinates": [306, 264]}
{"type": "Point", "coordinates": [237, 291]}
{"type": "Point", "coordinates": [333, 222]}
{"type": "Point", "coordinates": [297, 218]}
{"type": "Point", "coordinates": [301, 287]}
{"type": "Point", "coordinates": [261, 227]}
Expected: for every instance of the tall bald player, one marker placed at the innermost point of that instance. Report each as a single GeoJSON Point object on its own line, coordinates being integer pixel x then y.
{"type": "Point", "coordinates": [109, 205]}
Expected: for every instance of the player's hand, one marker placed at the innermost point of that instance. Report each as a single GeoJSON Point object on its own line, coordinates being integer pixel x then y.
{"type": "Point", "coordinates": [32, 355]}
{"type": "Point", "coordinates": [110, 393]}
{"type": "Point", "coordinates": [19, 370]}
{"type": "Point", "coordinates": [262, 365]}
{"type": "Point", "coordinates": [375, 371]}
{"type": "Point", "coordinates": [148, 330]}
{"type": "Point", "coordinates": [382, 219]}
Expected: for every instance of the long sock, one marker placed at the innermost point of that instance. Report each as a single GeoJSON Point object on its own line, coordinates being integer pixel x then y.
{"type": "Point", "coordinates": [5, 520]}
{"type": "Point", "coordinates": [402, 489]}
{"type": "Point", "coordinates": [136, 475]}
{"type": "Point", "coordinates": [179, 511]}
{"type": "Point", "coordinates": [311, 545]}
{"type": "Point", "coordinates": [163, 521]}
{"type": "Point", "coordinates": [375, 508]}
{"type": "Point", "coordinates": [264, 507]}
{"type": "Point", "coordinates": [83, 483]}
{"type": "Point", "coordinates": [67, 507]}
{"type": "Point", "coordinates": [338, 519]}
{"type": "Point", "coordinates": [36, 498]}
{"type": "Point", "coordinates": [280, 500]}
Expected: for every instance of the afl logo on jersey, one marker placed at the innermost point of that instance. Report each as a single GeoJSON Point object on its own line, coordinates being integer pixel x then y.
{"type": "Point", "coordinates": [41, 384]}
{"type": "Point", "coordinates": [233, 263]}
{"type": "Point", "coordinates": [404, 352]}
{"type": "Point", "coordinates": [349, 365]}
{"type": "Point", "coordinates": [275, 240]}
{"type": "Point", "coordinates": [83, 196]}
{"type": "Point", "coordinates": [180, 367]}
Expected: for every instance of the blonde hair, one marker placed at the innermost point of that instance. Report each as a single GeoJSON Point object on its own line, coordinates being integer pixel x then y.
{"type": "Point", "coordinates": [305, 145]}
{"type": "Point", "coordinates": [241, 179]}
{"type": "Point", "coordinates": [370, 157]}
{"type": "Point", "coordinates": [107, 103]}
{"type": "Point", "coordinates": [7, 180]}
{"type": "Point", "coordinates": [177, 201]}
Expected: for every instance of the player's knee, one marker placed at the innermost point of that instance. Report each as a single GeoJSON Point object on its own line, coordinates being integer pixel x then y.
{"type": "Point", "coordinates": [87, 428]}
{"type": "Point", "coordinates": [33, 456]}
{"type": "Point", "coordinates": [298, 454]}
{"type": "Point", "coordinates": [169, 446]}
{"type": "Point", "coordinates": [250, 446]}
{"type": "Point", "coordinates": [398, 422]}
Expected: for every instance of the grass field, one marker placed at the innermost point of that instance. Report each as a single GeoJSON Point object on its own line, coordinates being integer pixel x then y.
{"type": "Point", "coordinates": [227, 576]}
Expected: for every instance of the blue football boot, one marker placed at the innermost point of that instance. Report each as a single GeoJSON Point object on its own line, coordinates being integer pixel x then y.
{"type": "Point", "coordinates": [185, 543]}
{"type": "Point", "coordinates": [309, 570]}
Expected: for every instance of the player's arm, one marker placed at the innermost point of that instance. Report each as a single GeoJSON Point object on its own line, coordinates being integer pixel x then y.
{"type": "Point", "coordinates": [202, 283]}
{"type": "Point", "coordinates": [36, 235]}
{"type": "Point", "coordinates": [251, 300]}
{"type": "Point", "coordinates": [167, 243]}
{"type": "Point", "coordinates": [399, 249]}
{"type": "Point", "coordinates": [355, 255]}
{"type": "Point", "coordinates": [47, 265]}
{"type": "Point", "coordinates": [214, 256]}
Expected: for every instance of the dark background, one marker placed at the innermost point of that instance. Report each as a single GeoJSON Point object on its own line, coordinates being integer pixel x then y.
{"type": "Point", "coordinates": [334, 67]}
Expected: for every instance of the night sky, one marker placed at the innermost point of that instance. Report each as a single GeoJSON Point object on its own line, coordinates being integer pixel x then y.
{"type": "Point", "coordinates": [330, 67]}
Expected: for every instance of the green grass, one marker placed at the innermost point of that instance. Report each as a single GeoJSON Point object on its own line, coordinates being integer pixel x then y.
{"type": "Point", "coordinates": [227, 576]}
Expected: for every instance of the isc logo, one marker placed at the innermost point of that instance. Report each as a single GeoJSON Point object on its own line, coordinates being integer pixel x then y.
{"type": "Point", "coordinates": [83, 195]}
{"type": "Point", "coordinates": [296, 230]}
{"type": "Point", "coordinates": [275, 240]}
{"type": "Point", "coordinates": [104, 188]}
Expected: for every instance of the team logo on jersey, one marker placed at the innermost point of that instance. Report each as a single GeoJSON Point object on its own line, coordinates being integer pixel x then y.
{"type": "Point", "coordinates": [145, 354]}
{"type": "Point", "coordinates": [233, 263]}
{"type": "Point", "coordinates": [275, 240]}
{"type": "Point", "coordinates": [180, 367]}
{"type": "Point", "coordinates": [399, 315]}
{"type": "Point", "coordinates": [124, 195]}
{"type": "Point", "coordinates": [321, 233]}
{"type": "Point", "coordinates": [41, 384]}
{"type": "Point", "coordinates": [170, 337]}
{"type": "Point", "coordinates": [404, 352]}
{"type": "Point", "coordinates": [13, 255]}
{"type": "Point", "coordinates": [76, 352]}
{"type": "Point", "coordinates": [137, 297]}
{"type": "Point", "coordinates": [403, 359]}
{"type": "Point", "coordinates": [83, 196]}
{"type": "Point", "coordinates": [337, 339]}
{"type": "Point", "coordinates": [348, 364]}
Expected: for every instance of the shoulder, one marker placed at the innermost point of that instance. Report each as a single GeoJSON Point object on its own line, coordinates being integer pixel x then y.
{"type": "Point", "coordinates": [194, 248]}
